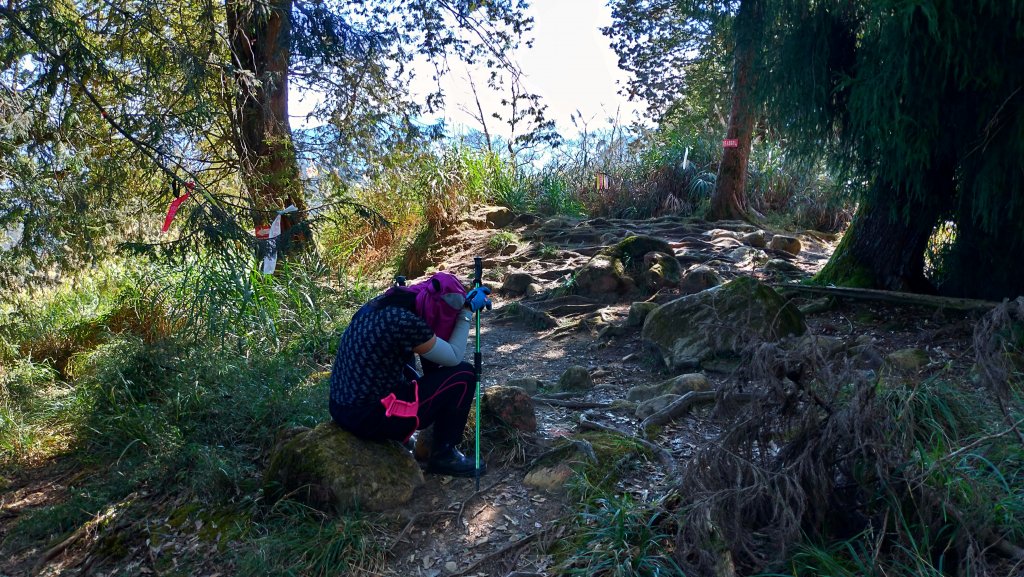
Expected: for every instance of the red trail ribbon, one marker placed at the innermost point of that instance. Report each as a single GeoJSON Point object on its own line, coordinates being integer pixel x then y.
{"type": "Point", "coordinates": [172, 210]}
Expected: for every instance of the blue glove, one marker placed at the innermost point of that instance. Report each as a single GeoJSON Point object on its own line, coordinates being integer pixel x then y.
{"type": "Point", "coordinates": [477, 299]}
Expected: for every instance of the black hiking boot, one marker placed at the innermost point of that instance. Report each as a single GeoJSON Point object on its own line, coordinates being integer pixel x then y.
{"type": "Point", "coordinates": [447, 460]}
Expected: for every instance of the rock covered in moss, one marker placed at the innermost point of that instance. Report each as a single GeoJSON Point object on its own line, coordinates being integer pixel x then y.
{"type": "Point", "coordinates": [655, 405]}
{"type": "Point", "coordinates": [511, 406]}
{"type": "Point", "coordinates": [660, 270]}
{"type": "Point", "coordinates": [575, 378]}
{"type": "Point", "coordinates": [333, 470]}
{"type": "Point", "coordinates": [615, 269]}
{"type": "Point", "coordinates": [602, 275]}
{"type": "Point", "coordinates": [720, 321]}
{"type": "Point", "coordinates": [638, 311]}
{"type": "Point", "coordinates": [551, 478]}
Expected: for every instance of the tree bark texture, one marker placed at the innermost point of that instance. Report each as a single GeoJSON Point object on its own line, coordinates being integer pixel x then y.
{"type": "Point", "coordinates": [260, 52]}
{"type": "Point", "coordinates": [883, 249]}
{"type": "Point", "coordinates": [729, 198]}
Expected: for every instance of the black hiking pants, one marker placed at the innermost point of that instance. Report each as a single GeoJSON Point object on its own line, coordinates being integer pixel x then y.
{"type": "Point", "coordinates": [445, 397]}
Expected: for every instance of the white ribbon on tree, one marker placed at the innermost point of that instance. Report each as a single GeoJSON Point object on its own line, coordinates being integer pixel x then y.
{"type": "Point", "coordinates": [270, 261]}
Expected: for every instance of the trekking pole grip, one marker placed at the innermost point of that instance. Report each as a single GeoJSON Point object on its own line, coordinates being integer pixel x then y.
{"type": "Point", "coordinates": [478, 270]}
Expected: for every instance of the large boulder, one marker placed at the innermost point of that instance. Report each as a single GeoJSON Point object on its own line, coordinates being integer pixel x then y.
{"type": "Point", "coordinates": [333, 470]}
{"type": "Point", "coordinates": [720, 321]}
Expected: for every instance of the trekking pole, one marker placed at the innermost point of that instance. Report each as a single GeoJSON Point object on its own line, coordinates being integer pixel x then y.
{"type": "Point", "coordinates": [479, 270]}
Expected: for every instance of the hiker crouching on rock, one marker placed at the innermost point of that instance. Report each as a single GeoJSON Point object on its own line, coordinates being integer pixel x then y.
{"type": "Point", "coordinates": [376, 392]}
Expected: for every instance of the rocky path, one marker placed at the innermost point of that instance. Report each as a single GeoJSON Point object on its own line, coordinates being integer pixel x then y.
{"type": "Point", "coordinates": [539, 329]}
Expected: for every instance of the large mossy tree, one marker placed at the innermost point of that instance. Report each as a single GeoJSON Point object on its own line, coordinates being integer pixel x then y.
{"type": "Point", "coordinates": [923, 104]}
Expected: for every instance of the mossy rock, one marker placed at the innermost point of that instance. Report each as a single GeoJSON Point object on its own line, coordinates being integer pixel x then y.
{"type": "Point", "coordinates": [638, 311]}
{"type": "Point", "coordinates": [720, 321]}
{"type": "Point", "coordinates": [603, 274]}
{"type": "Point", "coordinates": [555, 472]}
{"type": "Point", "coordinates": [615, 269]}
{"type": "Point", "coordinates": [631, 250]}
{"type": "Point", "coordinates": [906, 360]}
{"type": "Point", "coordinates": [574, 378]}
{"type": "Point", "coordinates": [333, 470]}
{"type": "Point", "coordinates": [660, 270]}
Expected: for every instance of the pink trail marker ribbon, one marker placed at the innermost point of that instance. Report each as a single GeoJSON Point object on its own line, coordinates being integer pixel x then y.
{"type": "Point", "coordinates": [173, 209]}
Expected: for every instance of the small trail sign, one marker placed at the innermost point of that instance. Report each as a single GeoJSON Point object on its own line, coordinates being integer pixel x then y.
{"type": "Point", "coordinates": [731, 143]}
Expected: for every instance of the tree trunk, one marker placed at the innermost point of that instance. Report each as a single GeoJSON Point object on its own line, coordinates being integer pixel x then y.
{"type": "Point", "coordinates": [260, 52]}
{"type": "Point", "coordinates": [729, 198]}
{"type": "Point", "coordinates": [883, 249]}
{"type": "Point", "coordinates": [984, 262]}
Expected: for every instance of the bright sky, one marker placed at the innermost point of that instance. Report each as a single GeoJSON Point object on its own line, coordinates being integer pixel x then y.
{"type": "Point", "coordinates": [570, 65]}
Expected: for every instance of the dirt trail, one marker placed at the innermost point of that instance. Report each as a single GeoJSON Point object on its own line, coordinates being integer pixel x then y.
{"type": "Point", "coordinates": [499, 518]}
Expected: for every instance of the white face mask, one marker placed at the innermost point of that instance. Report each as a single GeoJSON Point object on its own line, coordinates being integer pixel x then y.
{"type": "Point", "coordinates": [454, 300]}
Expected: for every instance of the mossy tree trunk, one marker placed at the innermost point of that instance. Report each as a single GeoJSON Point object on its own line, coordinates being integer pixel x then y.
{"type": "Point", "coordinates": [729, 199]}
{"type": "Point", "coordinates": [885, 245]}
{"type": "Point", "coordinates": [260, 36]}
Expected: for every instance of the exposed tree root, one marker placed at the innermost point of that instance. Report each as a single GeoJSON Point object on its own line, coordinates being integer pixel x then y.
{"type": "Point", "coordinates": [677, 409]}
{"type": "Point", "coordinates": [890, 296]}
{"type": "Point", "coordinates": [572, 404]}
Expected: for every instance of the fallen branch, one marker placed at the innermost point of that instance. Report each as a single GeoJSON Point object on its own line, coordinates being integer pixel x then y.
{"type": "Point", "coordinates": [889, 296]}
{"type": "Point", "coordinates": [497, 554]}
{"type": "Point", "coordinates": [662, 453]}
{"type": "Point", "coordinates": [572, 404]}
{"type": "Point", "coordinates": [677, 409]}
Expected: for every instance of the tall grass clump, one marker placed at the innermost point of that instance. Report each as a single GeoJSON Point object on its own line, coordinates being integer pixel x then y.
{"type": "Point", "coordinates": [418, 194]}
{"type": "Point", "coordinates": [613, 535]}
{"type": "Point", "coordinates": [296, 540]}
{"type": "Point", "coordinates": [795, 193]}
{"type": "Point", "coordinates": [182, 369]}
